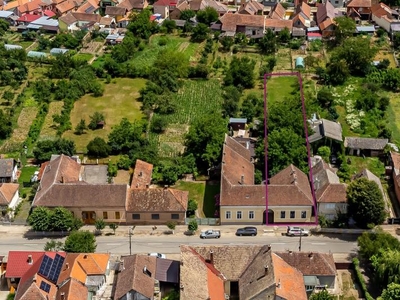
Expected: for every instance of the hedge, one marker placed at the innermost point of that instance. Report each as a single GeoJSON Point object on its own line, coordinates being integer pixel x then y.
{"type": "Point", "coordinates": [360, 279]}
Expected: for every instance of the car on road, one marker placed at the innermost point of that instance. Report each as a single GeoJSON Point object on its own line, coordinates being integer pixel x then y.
{"type": "Point", "coordinates": [297, 231]}
{"type": "Point", "coordinates": [250, 231]}
{"type": "Point", "coordinates": [159, 255]}
{"type": "Point", "coordinates": [210, 234]}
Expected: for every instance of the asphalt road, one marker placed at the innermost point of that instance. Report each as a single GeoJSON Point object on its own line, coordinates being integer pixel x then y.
{"type": "Point", "coordinates": [169, 244]}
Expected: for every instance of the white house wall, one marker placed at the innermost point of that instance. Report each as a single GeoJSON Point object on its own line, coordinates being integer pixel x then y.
{"type": "Point", "coordinates": [14, 201]}
{"type": "Point", "coordinates": [382, 22]}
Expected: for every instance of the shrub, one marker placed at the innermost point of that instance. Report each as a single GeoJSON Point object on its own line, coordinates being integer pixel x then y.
{"type": "Point", "coordinates": [360, 279]}
{"type": "Point", "coordinates": [193, 225]}
{"type": "Point", "coordinates": [171, 225]}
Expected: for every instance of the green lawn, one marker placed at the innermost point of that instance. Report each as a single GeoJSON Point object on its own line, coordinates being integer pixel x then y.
{"type": "Point", "coordinates": [120, 100]}
{"type": "Point", "coordinates": [371, 163]}
{"type": "Point", "coordinates": [393, 112]}
{"type": "Point", "coordinates": [49, 130]}
{"type": "Point", "coordinates": [83, 56]}
{"type": "Point", "coordinates": [25, 180]}
{"type": "Point", "coordinates": [203, 193]}
{"type": "Point", "coordinates": [279, 88]}
{"type": "Point", "coordinates": [146, 58]}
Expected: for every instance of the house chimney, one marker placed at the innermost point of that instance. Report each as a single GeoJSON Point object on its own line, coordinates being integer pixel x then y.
{"type": "Point", "coordinates": [310, 255]}
{"type": "Point", "coordinates": [62, 179]}
{"type": "Point", "coordinates": [140, 173]}
{"type": "Point", "coordinates": [165, 187]}
{"type": "Point", "coordinates": [62, 296]}
{"type": "Point", "coordinates": [266, 269]}
{"type": "Point", "coordinates": [30, 259]}
{"type": "Point", "coordinates": [66, 266]}
{"type": "Point", "coordinates": [85, 256]}
{"type": "Point", "coordinates": [211, 257]}
{"type": "Point", "coordinates": [242, 179]}
{"type": "Point", "coordinates": [147, 186]}
{"type": "Point", "coordinates": [278, 285]}
{"type": "Point", "coordinates": [34, 278]}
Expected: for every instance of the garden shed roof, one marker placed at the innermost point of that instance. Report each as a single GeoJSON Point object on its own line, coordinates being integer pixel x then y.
{"type": "Point", "coordinates": [365, 143]}
{"type": "Point", "coordinates": [36, 54]}
{"type": "Point", "coordinates": [5, 14]}
{"type": "Point", "coordinates": [58, 51]}
{"type": "Point", "coordinates": [238, 120]}
{"type": "Point", "coordinates": [12, 47]}
{"type": "Point", "coordinates": [365, 28]}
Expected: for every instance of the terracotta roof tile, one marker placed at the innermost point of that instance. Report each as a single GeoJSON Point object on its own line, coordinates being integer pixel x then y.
{"type": "Point", "coordinates": [86, 17]}
{"type": "Point", "coordinates": [18, 263]}
{"type": "Point", "coordinates": [88, 7]}
{"type": "Point", "coordinates": [381, 9]}
{"type": "Point", "coordinates": [230, 21]}
{"type": "Point", "coordinates": [7, 192]}
{"type": "Point", "coordinates": [106, 21]}
{"type": "Point", "coordinates": [115, 11]}
{"type": "Point", "coordinates": [277, 12]}
{"type": "Point", "coordinates": [324, 11]}
{"type": "Point", "coordinates": [290, 282]}
{"type": "Point", "coordinates": [325, 24]}
{"type": "Point", "coordinates": [66, 6]}
{"type": "Point", "coordinates": [396, 161]}
{"type": "Point", "coordinates": [72, 290]}
{"type": "Point", "coordinates": [310, 264]}
{"type": "Point", "coordinates": [138, 274]}
{"type": "Point", "coordinates": [6, 167]}
{"type": "Point", "coordinates": [278, 24]}
{"type": "Point", "coordinates": [142, 175]}
{"type": "Point", "coordinates": [359, 3]}
{"type": "Point", "coordinates": [156, 200]}
{"type": "Point", "coordinates": [68, 19]}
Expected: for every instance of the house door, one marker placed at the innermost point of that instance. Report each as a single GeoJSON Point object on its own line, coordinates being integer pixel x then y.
{"type": "Point", "coordinates": [88, 217]}
{"type": "Point", "coordinates": [270, 217]}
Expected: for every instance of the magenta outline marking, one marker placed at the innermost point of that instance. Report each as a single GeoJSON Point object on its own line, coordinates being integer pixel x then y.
{"type": "Point", "coordinates": [310, 175]}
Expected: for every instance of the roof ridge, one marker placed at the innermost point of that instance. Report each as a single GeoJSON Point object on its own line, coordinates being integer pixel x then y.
{"type": "Point", "coordinates": [326, 261]}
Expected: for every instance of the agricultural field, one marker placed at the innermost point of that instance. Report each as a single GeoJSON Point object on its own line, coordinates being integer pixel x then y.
{"type": "Point", "coordinates": [49, 131]}
{"type": "Point", "coordinates": [146, 58]}
{"type": "Point", "coordinates": [120, 100]}
{"type": "Point", "coordinates": [20, 133]}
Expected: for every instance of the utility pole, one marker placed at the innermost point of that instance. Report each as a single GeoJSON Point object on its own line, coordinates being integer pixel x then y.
{"type": "Point", "coordinates": [300, 242]}
{"type": "Point", "coordinates": [130, 238]}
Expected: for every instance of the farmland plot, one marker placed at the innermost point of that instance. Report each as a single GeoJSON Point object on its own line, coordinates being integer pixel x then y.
{"type": "Point", "coordinates": [49, 130]}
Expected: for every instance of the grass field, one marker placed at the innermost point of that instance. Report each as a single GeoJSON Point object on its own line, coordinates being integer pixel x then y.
{"type": "Point", "coordinates": [371, 163]}
{"type": "Point", "coordinates": [283, 62]}
{"type": "Point", "coordinates": [49, 131]}
{"type": "Point", "coordinates": [279, 88]}
{"type": "Point", "coordinates": [119, 101]}
{"type": "Point", "coordinates": [381, 55]}
{"type": "Point", "coordinates": [83, 56]}
{"type": "Point", "coordinates": [203, 193]}
{"type": "Point", "coordinates": [181, 45]}
{"type": "Point", "coordinates": [393, 112]}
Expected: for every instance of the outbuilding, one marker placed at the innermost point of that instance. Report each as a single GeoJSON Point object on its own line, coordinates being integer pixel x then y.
{"type": "Point", "coordinates": [36, 54]}
{"type": "Point", "coordinates": [299, 63]}
{"type": "Point", "coordinates": [57, 51]}
{"type": "Point", "coordinates": [12, 47]}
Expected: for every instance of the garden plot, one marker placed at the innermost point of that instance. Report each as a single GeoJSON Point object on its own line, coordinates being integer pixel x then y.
{"type": "Point", "coordinates": [381, 55]}
{"type": "Point", "coordinates": [92, 47]}
{"type": "Point", "coordinates": [171, 142]}
{"type": "Point", "coordinates": [20, 133]}
{"type": "Point", "coordinates": [49, 130]}
{"type": "Point", "coordinates": [283, 62]}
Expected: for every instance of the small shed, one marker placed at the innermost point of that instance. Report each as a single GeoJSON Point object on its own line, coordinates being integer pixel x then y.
{"type": "Point", "coordinates": [312, 36]}
{"type": "Point", "coordinates": [237, 123]}
{"type": "Point", "coordinates": [12, 47]}
{"type": "Point", "coordinates": [57, 51]}
{"type": "Point", "coordinates": [365, 146]}
{"type": "Point", "coordinates": [36, 54]}
{"type": "Point", "coordinates": [365, 29]}
{"type": "Point", "coordinates": [299, 63]}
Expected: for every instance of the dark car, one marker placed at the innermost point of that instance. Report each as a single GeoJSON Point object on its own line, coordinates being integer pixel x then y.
{"type": "Point", "coordinates": [251, 231]}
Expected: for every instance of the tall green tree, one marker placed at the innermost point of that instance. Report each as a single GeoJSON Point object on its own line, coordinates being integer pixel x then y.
{"type": "Point", "coordinates": [95, 119]}
{"type": "Point", "coordinates": [141, 25]}
{"type": "Point", "coordinates": [61, 219]}
{"type": "Point", "coordinates": [345, 27]}
{"type": "Point", "coordinates": [187, 14]}
{"type": "Point", "coordinates": [126, 136]}
{"type": "Point", "coordinates": [392, 292]}
{"type": "Point", "coordinates": [80, 242]}
{"type": "Point", "coordinates": [39, 219]}
{"type": "Point", "coordinates": [365, 203]}
{"type": "Point", "coordinates": [5, 125]}
{"type": "Point", "coordinates": [200, 33]}
{"type": "Point", "coordinates": [231, 96]}
{"type": "Point", "coordinates": [267, 44]}
{"type": "Point", "coordinates": [98, 148]}
{"type": "Point", "coordinates": [370, 243]}
{"type": "Point", "coordinates": [44, 149]}
{"type": "Point", "coordinates": [240, 72]}
{"type": "Point", "coordinates": [204, 140]}
{"type": "Point", "coordinates": [322, 295]}
{"type": "Point", "coordinates": [386, 266]}
{"type": "Point", "coordinates": [207, 15]}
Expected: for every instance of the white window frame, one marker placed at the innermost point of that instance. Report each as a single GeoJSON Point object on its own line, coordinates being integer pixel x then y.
{"type": "Point", "coordinates": [283, 212]}
{"type": "Point", "coordinates": [251, 214]}
{"type": "Point", "coordinates": [294, 214]}
{"type": "Point", "coordinates": [228, 215]}
{"type": "Point", "coordinates": [239, 215]}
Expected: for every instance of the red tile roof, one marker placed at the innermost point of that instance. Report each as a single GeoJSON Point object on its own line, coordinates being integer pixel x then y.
{"type": "Point", "coordinates": [49, 13]}
{"type": "Point", "coordinates": [7, 192]}
{"type": "Point", "coordinates": [314, 34]}
{"type": "Point", "coordinates": [18, 262]}
{"type": "Point", "coordinates": [28, 18]}
{"type": "Point", "coordinates": [277, 12]}
{"type": "Point", "coordinates": [142, 175]}
{"type": "Point", "coordinates": [359, 3]}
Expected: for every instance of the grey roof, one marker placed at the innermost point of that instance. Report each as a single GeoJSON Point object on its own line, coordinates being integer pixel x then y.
{"type": "Point", "coordinates": [313, 29]}
{"type": "Point", "coordinates": [95, 174]}
{"type": "Point", "coordinates": [237, 120]}
{"type": "Point", "coordinates": [5, 14]}
{"type": "Point", "coordinates": [36, 54]}
{"type": "Point", "coordinates": [34, 26]}
{"type": "Point", "coordinates": [365, 143]}
{"type": "Point", "coordinates": [365, 28]}
{"type": "Point", "coordinates": [94, 280]}
{"type": "Point", "coordinates": [6, 167]}
{"type": "Point", "coordinates": [45, 21]}
{"type": "Point", "coordinates": [167, 270]}
{"type": "Point", "coordinates": [58, 51]}
{"type": "Point", "coordinates": [371, 177]}
{"type": "Point", "coordinates": [326, 128]}
{"type": "Point", "coordinates": [395, 27]}
{"type": "Point", "coordinates": [12, 47]}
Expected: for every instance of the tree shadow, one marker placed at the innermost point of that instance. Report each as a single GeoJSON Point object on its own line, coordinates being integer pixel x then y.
{"type": "Point", "coordinates": [212, 189]}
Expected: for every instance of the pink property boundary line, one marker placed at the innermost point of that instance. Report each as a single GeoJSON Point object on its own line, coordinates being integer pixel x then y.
{"type": "Point", "coordinates": [310, 175]}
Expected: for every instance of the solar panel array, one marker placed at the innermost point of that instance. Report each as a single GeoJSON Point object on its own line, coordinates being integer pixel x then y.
{"type": "Point", "coordinates": [45, 286]}
{"type": "Point", "coordinates": [51, 268]}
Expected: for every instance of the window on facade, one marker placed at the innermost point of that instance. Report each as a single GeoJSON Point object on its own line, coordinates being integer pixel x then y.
{"type": "Point", "coordinates": [251, 214]}
{"type": "Point", "coordinates": [303, 214]}
{"type": "Point", "coordinates": [292, 214]}
{"type": "Point", "coordinates": [136, 216]}
{"type": "Point", "coordinates": [227, 215]}
{"type": "Point", "coordinates": [155, 216]}
{"type": "Point", "coordinates": [330, 205]}
{"type": "Point", "coordinates": [105, 215]}
{"type": "Point", "coordinates": [117, 215]}
{"type": "Point", "coordinates": [175, 216]}
{"type": "Point", "coordinates": [283, 214]}
{"type": "Point", "coordinates": [238, 215]}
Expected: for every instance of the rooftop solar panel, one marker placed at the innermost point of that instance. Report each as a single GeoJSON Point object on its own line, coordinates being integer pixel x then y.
{"type": "Point", "coordinates": [45, 286]}
{"type": "Point", "coordinates": [45, 266]}
{"type": "Point", "coordinates": [56, 268]}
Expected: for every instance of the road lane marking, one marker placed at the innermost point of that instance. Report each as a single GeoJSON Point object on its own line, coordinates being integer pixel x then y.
{"type": "Point", "coordinates": [114, 244]}
{"type": "Point", "coordinates": [318, 243]}
{"type": "Point", "coordinates": [154, 244]}
{"type": "Point", "coordinates": [31, 244]}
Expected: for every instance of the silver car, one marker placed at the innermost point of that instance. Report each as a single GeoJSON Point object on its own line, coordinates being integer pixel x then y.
{"type": "Point", "coordinates": [297, 231]}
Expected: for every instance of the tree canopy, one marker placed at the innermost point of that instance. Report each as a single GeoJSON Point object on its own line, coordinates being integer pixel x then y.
{"type": "Point", "coordinates": [44, 149]}
{"type": "Point", "coordinates": [345, 28]}
{"type": "Point", "coordinates": [98, 148]}
{"type": "Point", "coordinates": [80, 242]}
{"type": "Point", "coordinates": [141, 25]}
{"type": "Point", "coordinates": [322, 295]}
{"type": "Point", "coordinates": [392, 292]}
{"type": "Point", "coordinates": [240, 72]}
{"type": "Point", "coordinates": [58, 219]}
{"type": "Point", "coordinates": [207, 15]}
{"type": "Point", "coordinates": [365, 203]}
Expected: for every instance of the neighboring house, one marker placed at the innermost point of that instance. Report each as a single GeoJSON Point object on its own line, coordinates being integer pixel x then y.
{"type": "Point", "coordinates": [359, 10]}
{"type": "Point", "coordinates": [278, 25]}
{"type": "Point", "coordinates": [318, 269]}
{"type": "Point", "coordinates": [118, 13]}
{"type": "Point", "coordinates": [330, 193]}
{"type": "Point", "coordinates": [243, 202]}
{"type": "Point", "coordinates": [8, 170]}
{"type": "Point", "coordinates": [86, 21]}
{"type": "Point", "coordinates": [9, 198]}
{"type": "Point", "coordinates": [327, 28]}
{"type": "Point", "coordinates": [365, 146]}
{"type": "Point", "coordinates": [365, 173]}
{"type": "Point", "coordinates": [44, 23]}
{"type": "Point", "coordinates": [133, 5]}
{"type": "Point", "coordinates": [175, 11]}
{"type": "Point", "coordinates": [68, 23]}
{"type": "Point", "coordinates": [89, 7]}
{"type": "Point", "coordinates": [251, 7]}
{"type": "Point", "coordinates": [67, 6]}
{"type": "Point", "coordinates": [384, 16]}
{"type": "Point", "coordinates": [107, 22]}
{"type": "Point", "coordinates": [156, 206]}
{"type": "Point", "coordinates": [35, 7]}
{"type": "Point", "coordinates": [40, 283]}
{"type": "Point", "coordinates": [163, 7]}
{"type": "Point", "coordinates": [277, 12]}
{"type": "Point", "coordinates": [326, 11]}
{"type": "Point", "coordinates": [237, 272]}
{"type": "Point", "coordinates": [143, 277]}
{"type": "Point", "coordinates": [62, 185]}
{"type": "Point", "coordinates": [302, 18]}
{"type": "Point", "coordinates": [8, 16]}
{"type": "Point", "coordinates": [337, 3]}
{"type": "Point", "coordinates": [395, 164]}
{"type": "Point", "coordinates": [85, 273]}
{"type": "Point", "coordinates": [237, 124]}
{"type": "Point", "coordinates": [326, 133]}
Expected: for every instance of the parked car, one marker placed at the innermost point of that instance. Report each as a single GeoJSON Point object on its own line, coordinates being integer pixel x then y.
{"type": "Point", "coordinates": [251, 231]}
{"type": "Point", "coordinates": [297, 231]}
{"type": "Point", "coordinates": [210, 234]}
{"type": "Point", "coordinates": [159, 255]}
